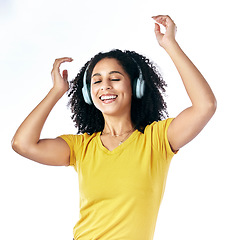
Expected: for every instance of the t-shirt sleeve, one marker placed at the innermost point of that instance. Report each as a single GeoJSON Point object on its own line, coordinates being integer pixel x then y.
{"type": "Point", "coordinates": [74, 142]}
{"type": "Point", "coordinates": [159, 132]}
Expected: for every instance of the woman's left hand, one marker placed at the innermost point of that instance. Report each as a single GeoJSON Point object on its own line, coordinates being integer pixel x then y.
{"type": "Point", "coordinates": [167, 38]}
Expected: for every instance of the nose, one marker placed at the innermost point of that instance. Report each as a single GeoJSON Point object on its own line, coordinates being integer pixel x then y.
{"type": "Point", "coordinates": [106, 85]}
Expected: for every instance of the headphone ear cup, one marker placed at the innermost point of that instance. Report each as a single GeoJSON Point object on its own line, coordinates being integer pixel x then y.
{"type": "Point", "coordinates": [86, 95]}
{"type": "Point", "coordinates": [139, 83]}
{"type": "Point", "coordinates": [139, 88]}
{"type": "Point", "coordinates": [85, 91]}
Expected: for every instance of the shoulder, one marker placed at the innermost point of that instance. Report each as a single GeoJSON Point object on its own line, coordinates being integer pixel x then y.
{"type": "Point", "coordinates": [161, 125]}
{"type": "Point", "coordinates": [157, 132]}
{"type": "Point", "coordinates": [77, 138]}
{"type": "Point", "coordinates": [77, 143]}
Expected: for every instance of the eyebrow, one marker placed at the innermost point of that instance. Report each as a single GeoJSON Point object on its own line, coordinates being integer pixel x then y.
{"type": "Point", "coordinates": [98, 74]}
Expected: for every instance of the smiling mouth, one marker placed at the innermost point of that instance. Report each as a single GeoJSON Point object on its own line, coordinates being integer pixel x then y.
{"type": "Point", "coordinates": [108, 98]}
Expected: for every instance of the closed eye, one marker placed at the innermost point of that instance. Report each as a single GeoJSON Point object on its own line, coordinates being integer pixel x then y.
{"type": "Point", "coordinates": [97, 82]}
{"type": "Point", "coordinates": [114, 79]}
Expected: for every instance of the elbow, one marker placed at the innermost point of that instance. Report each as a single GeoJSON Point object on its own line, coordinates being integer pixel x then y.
{"type": "Point", "coordinates": [18, 147]}
{"type": "Point", "coordinates": [15, 145]}
{"type": "Point", "coordinates": [210, 108]}
{"type": "Point", "coordinates": [206, 110]}
{"type": "Point", "coordinates": [213, 106]}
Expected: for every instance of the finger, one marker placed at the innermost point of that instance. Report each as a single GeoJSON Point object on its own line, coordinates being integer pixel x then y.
{"type": "Point", "coordinates": [161, 20]}
{"type": "Point", "coordinates": [157, 29]}
{"type": "Point", "coordinates": [165, 20]}
{"type": "Point", "coordinates": [65, 75]}
{"type": "Point", "coordinates": [58, 61]}
{"type": "Point", "coordinates": [158, 32]}
{"type": "Point", "coordinates": [161, 17]}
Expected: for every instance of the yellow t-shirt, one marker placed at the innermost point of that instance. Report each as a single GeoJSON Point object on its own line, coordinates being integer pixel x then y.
{"type": "Point", "coordinates": [120, 190]}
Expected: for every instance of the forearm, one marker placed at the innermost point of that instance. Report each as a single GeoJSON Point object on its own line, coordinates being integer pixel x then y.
{"type": "Point", "coordinates": [28, 134]}
{"type": "Point", "coordinates": [195, 84]}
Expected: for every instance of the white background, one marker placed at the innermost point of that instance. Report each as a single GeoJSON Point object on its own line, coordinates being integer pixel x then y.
{"type": "Point", "coordinates": [42, 202]}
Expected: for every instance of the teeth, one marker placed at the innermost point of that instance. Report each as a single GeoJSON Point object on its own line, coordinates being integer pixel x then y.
{"type": "Point", "coordinates": [108, 97]}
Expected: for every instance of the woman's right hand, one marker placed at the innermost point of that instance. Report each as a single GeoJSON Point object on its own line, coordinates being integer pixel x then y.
{"type": "Point", "coordinates": [60, 83]}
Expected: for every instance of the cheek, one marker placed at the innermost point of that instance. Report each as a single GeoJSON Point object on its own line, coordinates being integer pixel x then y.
{"type": "Point", "coordinates": [93, 93]}
{"type": "Point", "coordinates": [128, 87]}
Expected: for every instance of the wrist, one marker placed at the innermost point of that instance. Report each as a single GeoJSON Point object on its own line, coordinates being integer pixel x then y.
{"type": "Point", "coordinates": [56, 93]}
{"type": "Point", "coordinates": [171, 45]}
{"type": "Point", "coordinates": [173, 49]}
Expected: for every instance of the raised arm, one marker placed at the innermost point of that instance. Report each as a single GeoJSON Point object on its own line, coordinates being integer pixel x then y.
{"type": "Point", "coordinates": [189, 123]}
{"type": "Point", "coordinates": [26, 140]}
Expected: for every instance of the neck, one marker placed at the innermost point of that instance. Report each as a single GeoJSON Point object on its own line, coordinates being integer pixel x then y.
{"type": "Point", "coordinates": [117, 125]}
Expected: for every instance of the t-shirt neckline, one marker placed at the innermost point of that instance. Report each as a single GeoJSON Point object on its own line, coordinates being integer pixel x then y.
{"type": "Point", "coordinates": [119, 147]}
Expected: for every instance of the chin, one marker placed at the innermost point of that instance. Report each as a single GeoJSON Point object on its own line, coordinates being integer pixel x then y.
{"type": "Point", "coordinates": [111, 110]}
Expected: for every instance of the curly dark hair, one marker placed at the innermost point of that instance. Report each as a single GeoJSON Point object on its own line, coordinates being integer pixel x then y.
{"type": "Point", "coordinates": [151, 107]}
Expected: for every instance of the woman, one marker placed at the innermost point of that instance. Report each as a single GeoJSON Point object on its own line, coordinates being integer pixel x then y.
{"type": "Point", "coordinates": [124, 146]}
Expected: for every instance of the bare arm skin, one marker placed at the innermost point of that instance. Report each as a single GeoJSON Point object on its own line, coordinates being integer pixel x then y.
{"type": "Point", "coordinates": [189, 123]}
{"type": "Point", "coordinates": [26, 140]}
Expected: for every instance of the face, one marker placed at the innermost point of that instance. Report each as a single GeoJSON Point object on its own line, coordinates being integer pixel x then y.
{"type": "Point", "coordinates": [111, 88]}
